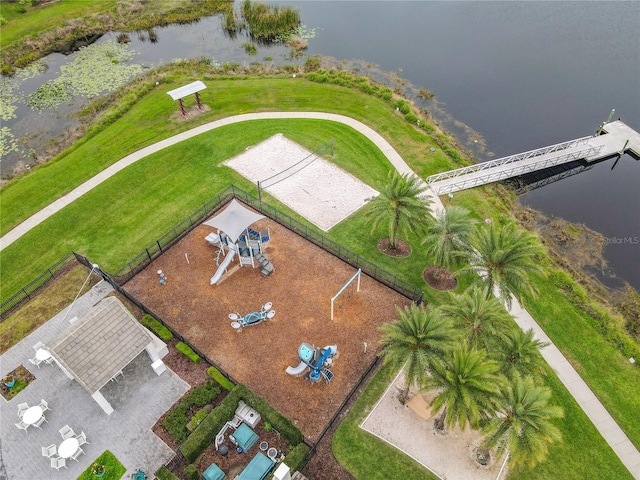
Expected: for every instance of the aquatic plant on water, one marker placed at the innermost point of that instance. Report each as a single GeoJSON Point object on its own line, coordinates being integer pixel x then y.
{"type": "Point", "coordinates": [8, 142]}
{"type": "Point", "coordinates": [96, 69]}
{"type": "Point", "coordinates": [268, 22]}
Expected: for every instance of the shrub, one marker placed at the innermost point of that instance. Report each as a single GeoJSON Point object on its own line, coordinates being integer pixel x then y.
{"type": "Point", "coordinates": [156, 327]}
{"type": "Point", "coordinates": [411, 118]}
{"type": "Point", "coordinates": [206, 432]}
{"type": "Point", "coordinates": [312, 64]}
{"type": "Point", "coordinates": [163, 473]}
{"type": "Point", "coordinates": [191, 472]}
{"type": "Point", "coordinates": [188, 352]}
{"type": "Point", "coordinates": [176, 421]}
{"type": "Point", "coordinates": [220, 378]}
{"type": "Point", "coordinates": [297, 457]}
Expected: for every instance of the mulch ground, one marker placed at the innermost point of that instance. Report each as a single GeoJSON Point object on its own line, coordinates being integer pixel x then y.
{"type": "Point", "coordinates": [305, 278]}
{"type": "Point", "coordinates": [439, 278]}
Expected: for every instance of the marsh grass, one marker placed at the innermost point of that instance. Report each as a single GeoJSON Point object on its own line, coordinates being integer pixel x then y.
{"type": "Point", "coordinates": [267, 23]}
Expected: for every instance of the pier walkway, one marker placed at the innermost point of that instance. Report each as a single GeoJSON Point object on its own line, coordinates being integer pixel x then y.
{"type": "Point", "coordinates": [616, 138]}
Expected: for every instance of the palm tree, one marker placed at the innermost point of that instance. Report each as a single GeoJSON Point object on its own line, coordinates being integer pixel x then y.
{"type": "Point", "coordinates": [504, 257]}
{"type": "Point", "coordinates": [448, 237]}
{"type": "Point", "coordinates": [402, 204]}
{"type": "Point", "coordinates": [482, 317]}
{"type": "Point", "coordinates": [467, 384]}
{"type": "Point", "coordinates": [418, 339]}
{"type": "Point", "coordinates": [523, 425]}
{"type": "Point", "coordinates": [519, 353]}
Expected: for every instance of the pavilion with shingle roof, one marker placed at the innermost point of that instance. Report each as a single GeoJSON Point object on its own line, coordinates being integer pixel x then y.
{"type": "Point", "coordinates": [98, 349]}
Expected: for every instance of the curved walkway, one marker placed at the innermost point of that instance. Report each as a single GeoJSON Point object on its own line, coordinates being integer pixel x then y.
{"type": "Point", "coordinates": [606, 425]}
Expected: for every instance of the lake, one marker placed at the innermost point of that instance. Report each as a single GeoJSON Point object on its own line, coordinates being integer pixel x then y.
{"type": "Point", "coordinates": [522, 74]}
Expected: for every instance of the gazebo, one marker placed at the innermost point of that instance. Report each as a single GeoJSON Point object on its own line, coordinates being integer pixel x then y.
{"type": "Point", "coordinates": [103, 345]}
{"type": "Point", "coordinates": [186, 90]}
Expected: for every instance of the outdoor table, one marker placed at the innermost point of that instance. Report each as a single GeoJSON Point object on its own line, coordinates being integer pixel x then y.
{"type": "Point", "coordinates": [43, 355]}
{"type": "Point", "coordinates": [68, 447]}
{"type": "Point", "coordinates": [32, 415]}
{"type": "Point", "coordinates": [253, 317]}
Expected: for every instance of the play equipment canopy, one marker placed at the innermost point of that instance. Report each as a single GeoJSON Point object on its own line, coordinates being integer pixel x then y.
{"type": "Point", "coordinates": [234, 220]}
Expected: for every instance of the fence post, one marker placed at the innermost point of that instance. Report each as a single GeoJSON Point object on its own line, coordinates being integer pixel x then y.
{"type": "Point", "coordinates": [148, 254]}
{"type": "Point", "coordinates": [158, 243]}
{"type": "Point", "coordinates": [331, 147]}
{"type": "Point", "coordinates": [25, 292]}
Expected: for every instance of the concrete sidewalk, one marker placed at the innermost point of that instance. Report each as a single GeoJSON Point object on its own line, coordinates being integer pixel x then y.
{"type": "Point", "coordinates": [614, 436]}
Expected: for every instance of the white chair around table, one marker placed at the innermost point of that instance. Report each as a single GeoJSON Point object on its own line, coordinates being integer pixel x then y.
{"type": "Point", "coordinates": [35, 361]}
{"type": "Point", "coordinates": [38, 346]}
{"type": "Point", "coordinates": [82, 439]}
{"type": "Point", "coordinates": [67, 432]}
{"type": "Point", "coordinates": [77, 453]}
{"type": "Point", "coordinates": [41, 421]}
{"type": "Point", "coordinates": [58, 463]}
{"type": "Point", "coordinates": [22, 426]}
{"type": "Point", "coordinates": [44, 405]}
{"type": "Point", "coordinates": [49, 451]}
{"type": "Point", "coordinates": [22, 407]}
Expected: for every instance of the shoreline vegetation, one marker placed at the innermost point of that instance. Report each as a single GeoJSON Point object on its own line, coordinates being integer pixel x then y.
{"type": "Point", "coordinates": [577, 315]}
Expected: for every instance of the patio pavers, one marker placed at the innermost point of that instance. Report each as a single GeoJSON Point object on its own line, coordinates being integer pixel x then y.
{"type": "Point", "coordinates": [139, 399]}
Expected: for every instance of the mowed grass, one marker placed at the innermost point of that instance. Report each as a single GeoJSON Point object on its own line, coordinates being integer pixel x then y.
{"type": "Point", "coordinates": [116, 220]}
{"type": "Point", "coordinates": [55, 297]}
{"type": "Point", "coordinates": [151, 122]}
{"type": "Point", "coordinates": [611, 376]}
{"type": "Point", "coordinates": [40, 18]}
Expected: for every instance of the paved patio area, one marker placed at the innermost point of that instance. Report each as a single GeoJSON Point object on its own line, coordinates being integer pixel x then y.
{"type": "Point", "coordinates": [139, 399]}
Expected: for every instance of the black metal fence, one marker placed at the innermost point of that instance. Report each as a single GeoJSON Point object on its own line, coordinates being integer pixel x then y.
{"type": "Point", "coordinates": [156, 249]}
{"type": "Point", "coordinates": [31, 289]}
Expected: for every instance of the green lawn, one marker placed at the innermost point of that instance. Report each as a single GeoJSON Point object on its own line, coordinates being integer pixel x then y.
{"type": "Point", "coordinates": [44, 17]}
{"type": "Point", "coordinates": [115, 221]}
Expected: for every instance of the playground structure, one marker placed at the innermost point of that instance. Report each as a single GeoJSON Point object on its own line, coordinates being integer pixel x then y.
{"type": "Point", "coordinates": [314, 363]}
{"type": "Point", "coordinates": [234, 237]}
{"type": "Point", "coordinates": [346, 285]}
{"type": "Point", "coordinates": [252, 318]}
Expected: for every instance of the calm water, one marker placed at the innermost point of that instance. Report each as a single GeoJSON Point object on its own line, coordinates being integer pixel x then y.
{"type": "Point", "coordinates": [522, 74]}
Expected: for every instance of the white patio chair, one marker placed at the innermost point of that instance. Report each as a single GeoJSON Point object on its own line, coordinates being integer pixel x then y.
{"type": "Point", "coordinates": [35, 362]}
{"type": "Point", "coordinates": [77, 454]}
{"type": "Point", "coordinates": [115, 377]}
{"type": "Point", "coordinates": [67, 432]}
{"type": "Point", "coordinates": [41, 421]}
{"type": "Point", "coordinates": [38, 346]}
{"type": "Point", "coordinates": [58, 462]}
{"type": "Point", "coordinates": [22, 426]}
{"type": "Point", "coordinates": [22, 407]}
{"type": "Point", "coordinates": [44, 405]}
{"type": "Point", "coordinates": [82, 438]}
{"type": "Point", "coordinates": [49, 451]}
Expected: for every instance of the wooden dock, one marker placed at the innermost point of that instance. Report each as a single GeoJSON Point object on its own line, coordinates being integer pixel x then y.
{"type": "Point", "coordinates": [615, 139]}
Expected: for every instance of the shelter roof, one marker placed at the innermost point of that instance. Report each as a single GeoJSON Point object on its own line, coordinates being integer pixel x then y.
{"type": "Point", "coordinates": [186, 90]}
{"type": "Point", "coordinates": [106, 342]}
{"type": "Point", "coordinates": [234, 219]}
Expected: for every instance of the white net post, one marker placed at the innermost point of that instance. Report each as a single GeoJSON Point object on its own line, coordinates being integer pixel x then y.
{"type": "Point", "coordinates": [344, 287]}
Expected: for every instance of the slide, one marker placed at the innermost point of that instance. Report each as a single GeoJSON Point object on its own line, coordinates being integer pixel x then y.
{"type": "Point", "coordinates": [223, 266]}
{"type": "Point", "coordinates": [299, 370]}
